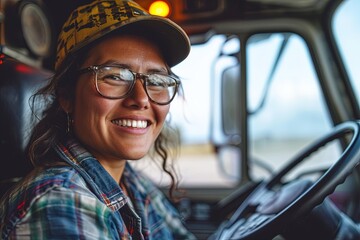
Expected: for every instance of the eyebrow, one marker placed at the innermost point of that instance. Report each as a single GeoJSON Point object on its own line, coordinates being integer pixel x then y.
{"type": "Point", "coordinates": [161, 70]}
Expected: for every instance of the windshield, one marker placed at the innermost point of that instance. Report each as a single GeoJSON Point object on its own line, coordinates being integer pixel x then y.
{"type": "Point", "coordinates": [286, 106]}
{"type": "Point", "coordinates": [347, 35]}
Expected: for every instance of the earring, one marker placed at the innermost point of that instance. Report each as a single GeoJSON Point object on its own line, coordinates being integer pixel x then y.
{"type": "Point", "coordinates": [70, 121]}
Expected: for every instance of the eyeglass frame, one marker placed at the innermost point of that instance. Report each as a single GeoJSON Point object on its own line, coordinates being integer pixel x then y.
{"type": "Point", "coordinates": [137, 76]}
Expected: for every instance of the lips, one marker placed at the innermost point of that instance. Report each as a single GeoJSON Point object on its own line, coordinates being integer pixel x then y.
{"type": "Point", "coordinates": [130, 123]}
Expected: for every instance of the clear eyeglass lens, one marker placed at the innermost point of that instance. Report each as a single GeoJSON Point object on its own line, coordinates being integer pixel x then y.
{"type": "Point", "coordinates": [116, 82]}
{"type": "Point", "coordinates": [160, 88]}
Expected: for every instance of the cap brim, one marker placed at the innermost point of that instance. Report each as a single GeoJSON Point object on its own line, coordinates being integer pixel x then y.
{"type": "Point", "coordinates": [171, 39]}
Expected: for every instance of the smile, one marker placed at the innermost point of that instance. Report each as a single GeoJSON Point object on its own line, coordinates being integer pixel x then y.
{"type": "Point", "coordinates": [130, 123]}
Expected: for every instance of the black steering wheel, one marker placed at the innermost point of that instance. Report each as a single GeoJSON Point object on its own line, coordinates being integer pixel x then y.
{"type": "Point", "coordinates": [267, 210]}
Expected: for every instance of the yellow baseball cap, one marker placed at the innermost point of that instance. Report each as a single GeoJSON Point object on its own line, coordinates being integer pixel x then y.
{"type": "Point", "coordinates": [90, 22]}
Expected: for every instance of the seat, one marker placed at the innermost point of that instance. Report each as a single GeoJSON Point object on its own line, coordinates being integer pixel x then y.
{"type": "Point", "coordinates": [17, 83]}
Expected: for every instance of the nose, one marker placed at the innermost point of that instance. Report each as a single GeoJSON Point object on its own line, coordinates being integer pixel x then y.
{"type": "Point", "coordinates": [138, 97]}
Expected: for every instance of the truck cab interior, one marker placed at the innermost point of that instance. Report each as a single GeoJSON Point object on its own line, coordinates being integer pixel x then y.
{"type": "Point", "coordinates": [268, 120]}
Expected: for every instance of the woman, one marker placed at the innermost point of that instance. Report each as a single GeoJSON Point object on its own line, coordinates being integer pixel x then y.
{"type": "Point", "coordinates": [107, 104]}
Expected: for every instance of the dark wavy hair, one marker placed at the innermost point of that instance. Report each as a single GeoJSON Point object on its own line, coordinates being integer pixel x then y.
{"type": "Point", "coordinates": [52, 123]}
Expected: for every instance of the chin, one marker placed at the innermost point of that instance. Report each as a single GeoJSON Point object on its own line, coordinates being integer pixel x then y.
{"type": "Point", "coordinates": [135, 156]}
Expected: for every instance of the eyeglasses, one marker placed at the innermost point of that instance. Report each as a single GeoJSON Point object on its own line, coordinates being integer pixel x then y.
{"type": "Point", "coordinates": [116, 82]}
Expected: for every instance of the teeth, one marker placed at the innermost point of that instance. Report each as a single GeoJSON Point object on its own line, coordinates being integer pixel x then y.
{"type": "Point", "coordinates": [131, 123]}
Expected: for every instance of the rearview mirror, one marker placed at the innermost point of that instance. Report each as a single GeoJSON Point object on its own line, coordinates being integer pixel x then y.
{"type": "Point", "coordinates": [230, 104]}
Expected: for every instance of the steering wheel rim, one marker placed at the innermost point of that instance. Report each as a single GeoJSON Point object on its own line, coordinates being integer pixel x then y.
{"type": "Point", "coordinates": [306, 200]}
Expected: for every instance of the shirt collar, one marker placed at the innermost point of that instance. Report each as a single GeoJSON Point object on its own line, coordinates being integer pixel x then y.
{"type": "Point", "coordinates": [98, 179]}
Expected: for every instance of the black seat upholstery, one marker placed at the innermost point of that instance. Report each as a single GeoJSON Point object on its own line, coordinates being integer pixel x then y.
{"type": "Point", "coordinates": [17, 83]}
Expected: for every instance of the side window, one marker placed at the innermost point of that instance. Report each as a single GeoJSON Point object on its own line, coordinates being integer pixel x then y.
{"type": "Point", "coordinates": [285, 103]}
{"type": "Point", "coordinates": [191, 115]}
{"type": "Point", "coordinates": [347, 35]}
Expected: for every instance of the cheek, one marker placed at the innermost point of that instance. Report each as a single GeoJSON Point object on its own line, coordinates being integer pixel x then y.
{"type": "Point", "coordinates": [162, 112]}
{"type": "Point", "coordinates": [90, 108]}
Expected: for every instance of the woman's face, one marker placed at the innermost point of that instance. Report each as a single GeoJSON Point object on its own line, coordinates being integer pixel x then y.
{"type": "Point", "coordinates": [97, 120]}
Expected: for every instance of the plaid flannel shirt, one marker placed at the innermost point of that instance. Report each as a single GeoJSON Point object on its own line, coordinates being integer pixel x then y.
{"type": "Point", "coordinates": [80, 200]}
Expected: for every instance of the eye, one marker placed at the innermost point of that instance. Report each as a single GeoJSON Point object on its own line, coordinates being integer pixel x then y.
{"type": "Point", "coordinates": [115, 75]}
{"type": "Point", "coordinates": [110, 77]}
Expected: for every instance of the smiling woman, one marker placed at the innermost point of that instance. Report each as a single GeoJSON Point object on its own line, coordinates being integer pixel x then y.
{"type": "Point", "coordinates": [107, 104]}
{"type": "Point", "coordinates": [264, 78]}
{"type": "Point", "coordinates": [96, 126]}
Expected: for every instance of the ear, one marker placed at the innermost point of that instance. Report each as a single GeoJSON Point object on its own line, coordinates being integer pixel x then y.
{"type": "Point", "coordinates": [66, 105]}
{"type": "Point", "coordinates": [65, 102]}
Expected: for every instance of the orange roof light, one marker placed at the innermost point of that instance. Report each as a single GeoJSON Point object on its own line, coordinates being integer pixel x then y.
{"type": "Point", "coordinates": [160, 8]}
